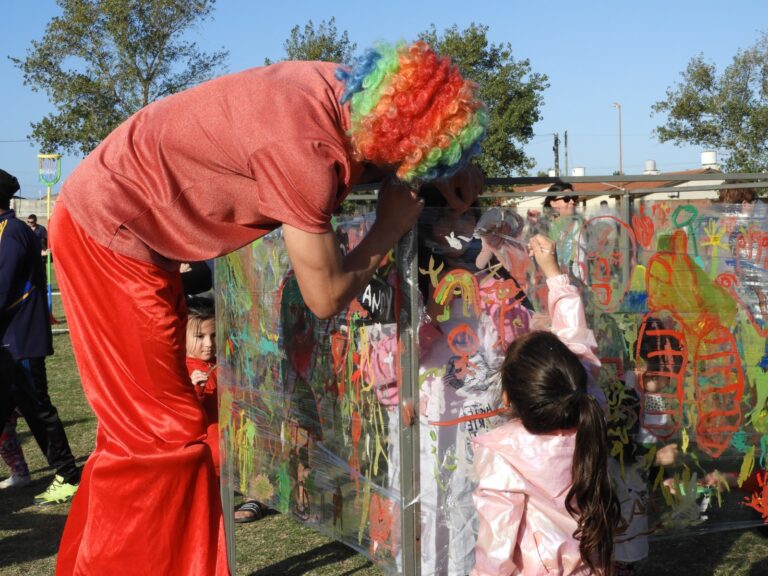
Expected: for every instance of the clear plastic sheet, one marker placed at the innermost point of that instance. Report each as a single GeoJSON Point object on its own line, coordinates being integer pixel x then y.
{"type": "Point", "coordinates": [311, 410]}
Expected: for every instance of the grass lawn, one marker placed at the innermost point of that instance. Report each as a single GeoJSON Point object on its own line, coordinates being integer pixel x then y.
{"type": "Point", "coordinates": [276, 545]}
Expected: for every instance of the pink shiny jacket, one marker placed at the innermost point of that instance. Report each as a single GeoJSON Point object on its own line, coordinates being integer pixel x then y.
{"type": "Point", "coordinates": [523, 478]}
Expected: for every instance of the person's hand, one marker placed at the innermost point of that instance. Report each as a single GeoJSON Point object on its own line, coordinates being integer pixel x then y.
{"type": "Point", "coordinates": [461, 189]}
{"type": "Point", "coordinates": [543, 250]}
{"type": "Point", "coordinates": [719, 480]}
{"type": "Point", "coordinates": [198, 377]}
{"type": "Point", "coordinates": [398, 208]}
{"type": "Point", "coordinates": [499, 234]}
{"type": "Point", "coordinates": [667, 455]}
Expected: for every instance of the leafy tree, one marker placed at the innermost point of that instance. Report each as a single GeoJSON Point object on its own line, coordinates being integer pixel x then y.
{"type": "Point", "coordinates": [727, 112]}
{"type": "Point", "coordinates": [102, 60]}
{"type": "Point", "coordinates": [511, 90]}
{"type": "Point", "coordinates": [322, 44]}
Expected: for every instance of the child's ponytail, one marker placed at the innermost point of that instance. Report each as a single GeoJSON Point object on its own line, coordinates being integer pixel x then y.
{"type": "Point", "coordinates": [591, 499]}
{"type": "Point", "coordinates": [546, 385]}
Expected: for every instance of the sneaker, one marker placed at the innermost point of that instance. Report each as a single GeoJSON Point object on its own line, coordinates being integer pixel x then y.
{"type": "Point", "coordinates": [57, 493]}
{"type": "Point", "coordinates": [15, 481]}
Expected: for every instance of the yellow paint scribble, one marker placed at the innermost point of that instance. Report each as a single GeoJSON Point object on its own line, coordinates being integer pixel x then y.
{"type": "Point", "coordinates": [747, 466]}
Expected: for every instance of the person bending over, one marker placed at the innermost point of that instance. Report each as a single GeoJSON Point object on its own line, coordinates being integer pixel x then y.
{"type": "Point", "coordinates": [227, 162]}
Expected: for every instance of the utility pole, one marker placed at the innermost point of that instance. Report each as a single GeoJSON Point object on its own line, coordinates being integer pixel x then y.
{"type": "Point", "coordinates": [49, 173]}
{"type": "Point", "coordinates": [556, 150]}
{"type": "Point", "coordinates": [618, 107]}
{"type": "Point", "coordinates": [565, 141]}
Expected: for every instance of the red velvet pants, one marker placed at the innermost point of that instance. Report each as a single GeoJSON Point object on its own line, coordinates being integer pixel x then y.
{"type": "Point", "coordinates": [148, 501]}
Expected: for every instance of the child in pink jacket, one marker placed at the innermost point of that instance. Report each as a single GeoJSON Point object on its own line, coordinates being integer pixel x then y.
{"type": "Point", "coordinates": [544, 501]}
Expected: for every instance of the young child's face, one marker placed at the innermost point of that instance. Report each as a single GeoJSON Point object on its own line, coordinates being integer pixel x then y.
{"type": "Point", "coordinates": [201, 339]}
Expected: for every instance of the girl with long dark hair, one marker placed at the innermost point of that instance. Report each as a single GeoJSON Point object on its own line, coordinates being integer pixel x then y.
{"type": "Point", "coordinates": [544, 500]}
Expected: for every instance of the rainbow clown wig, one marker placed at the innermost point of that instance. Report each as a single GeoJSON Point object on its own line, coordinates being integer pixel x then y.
{"type": "Point", "coordinates": [413, 110]}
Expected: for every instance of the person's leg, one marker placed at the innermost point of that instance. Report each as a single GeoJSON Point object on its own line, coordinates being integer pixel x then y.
{"type": "Point", "coordinates": [42, 418]}
{"type": "Point", "coordinates": [148, 499]}
{"type": "Point", "coordinates": [13, 455]}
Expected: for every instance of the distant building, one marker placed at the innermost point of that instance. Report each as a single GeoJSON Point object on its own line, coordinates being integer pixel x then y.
{"type": "Point", "coordinates": [643, 189]}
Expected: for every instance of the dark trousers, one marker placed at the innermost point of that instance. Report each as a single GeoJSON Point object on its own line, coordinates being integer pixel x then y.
{"type": "Point", "coordinates": [24, 385]}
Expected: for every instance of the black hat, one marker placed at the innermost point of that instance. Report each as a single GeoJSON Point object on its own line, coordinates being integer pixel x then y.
{"type": "Point", "coordinates": [8, 184]}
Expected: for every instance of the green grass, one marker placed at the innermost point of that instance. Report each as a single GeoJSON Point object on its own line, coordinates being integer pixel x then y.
{"type": "Point", "coordinates": [277, 545]}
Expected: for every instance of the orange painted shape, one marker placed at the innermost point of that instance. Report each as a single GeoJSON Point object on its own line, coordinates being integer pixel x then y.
{"type": "Point", "coordinates": [719, 387]}
{"type": "Point", "coordinates": [463, 341]}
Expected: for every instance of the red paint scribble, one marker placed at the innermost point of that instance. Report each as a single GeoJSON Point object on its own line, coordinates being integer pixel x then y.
{"type": "Point", "coordinates": [752, 245]}
{"type": "Point", "coordinates": [643, 228]}
{"type": "Point", "coordinates": [759, 499]}
{"type": "Point", "coordinates": [719, 381]}
{"type": "Point", "coordinates": [468, 418]}
{"type": "Point", "coordinates": [727, 280]}
{"type": "Point", "coordinates": [463, 342]}
{"type": "Point", "coordinates": [382, 514]}
{"type": "Point", "coordinates": [604, 259]}
{"type": "Point", "coordinates": [601, 280]}
{"type": "Point", "coordinates": [661, 214]}
{"type": "Point", "coordinates": [339, 350]}
{"type": "Point", "coordinates": [357, 376]}
{"type": "Point", "coordinates": [356, 308]}
{"type": "Point", "coordinates": [354, 459]}
{"type": "Point", "coordinates": [500, 301]}
{"type": "Point", "coordinates": [661, 350]}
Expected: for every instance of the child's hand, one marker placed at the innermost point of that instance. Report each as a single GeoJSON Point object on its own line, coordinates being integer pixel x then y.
{"type": "Point", "coordinates": [544, 251]}
{"type": "Point", "coordinates": [198, 377]}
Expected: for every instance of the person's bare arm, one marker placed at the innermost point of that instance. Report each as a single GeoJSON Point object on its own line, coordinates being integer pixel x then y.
{"type": "Point", "coordinates": [328, 280]}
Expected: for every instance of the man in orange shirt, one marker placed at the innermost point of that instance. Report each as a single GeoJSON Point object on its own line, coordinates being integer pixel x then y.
{"type": "Point", "coordinates": [226, 162]}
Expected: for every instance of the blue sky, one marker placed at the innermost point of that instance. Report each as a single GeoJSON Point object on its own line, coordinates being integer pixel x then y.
{"type": "Point", "coordinates": [595, 53]}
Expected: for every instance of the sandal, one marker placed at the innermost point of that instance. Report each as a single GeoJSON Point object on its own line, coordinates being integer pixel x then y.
{"type": "Point", "coordinates": [252, 512]}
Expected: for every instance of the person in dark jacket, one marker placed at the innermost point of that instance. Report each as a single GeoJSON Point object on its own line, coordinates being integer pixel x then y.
{"type": "Point", "coordinates": [25, 341]}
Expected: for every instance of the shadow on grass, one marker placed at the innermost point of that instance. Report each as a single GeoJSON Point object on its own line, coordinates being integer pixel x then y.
{"type": "Point", "coordinates": [80, 461]}
{"type": "Point", "coordinates": [33, 536]}
{"type": "Point", "coordinates": [313, 559]}
{"type": "Point", "coordinates": [703, 555]}
{"type": "Point", "coordinates": [14, 499]}
{"type": "Point", "coordinates": [27, 434]}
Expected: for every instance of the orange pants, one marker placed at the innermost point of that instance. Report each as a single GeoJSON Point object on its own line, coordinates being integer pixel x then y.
{"type": "Point", "coordinates": [148, 501]}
